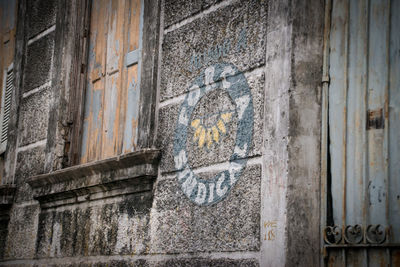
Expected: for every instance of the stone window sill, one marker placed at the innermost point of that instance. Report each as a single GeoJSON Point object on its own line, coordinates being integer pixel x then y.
{"type": "Point", "coordinates": [126, 174]}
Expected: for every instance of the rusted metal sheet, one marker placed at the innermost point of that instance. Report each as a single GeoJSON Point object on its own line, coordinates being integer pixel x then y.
{"type": "Point", "coordinates": [111, 107]}
{"type": "Point", "coordinates": [395, 257]}
{"type": "Point", "coordinates": [336, 258]}
{"type": "Point", "coordinates": [356, 125]}
{"type": "Point", "coordinates": [378, 85]}
{"type": "Point", "coordinates": [337, 115]}
{"type": "Point", "coordinates": [364, 130]}
{"type": "Point", "coordinates": [375, 119]}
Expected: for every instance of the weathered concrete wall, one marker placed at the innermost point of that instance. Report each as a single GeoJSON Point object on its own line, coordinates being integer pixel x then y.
{"type": "Point", "coordinates": [292, 137]}
{"type": "Point", "coordinates": [290, 210]}
{"type": "Point", "coordinates": [276, 124]}
{"type": "Point", "coordinates": [303, 196]}
{"type": "Point", "coordinates": [36, 40]}
{"type": "Point", "coordinates": [117, 227]}
{"type": "Point", "coordinates": [238, 129]}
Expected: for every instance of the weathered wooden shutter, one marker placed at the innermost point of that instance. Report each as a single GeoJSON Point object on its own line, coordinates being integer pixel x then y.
{"type": "Point", "coordinates": [112, 93]}
{"type": "Point", "coordinates": [363, 188]}
{"type": "Point", "coordinates": [8, 88]}
{"type": "Point", "coordinates": [133, 68]}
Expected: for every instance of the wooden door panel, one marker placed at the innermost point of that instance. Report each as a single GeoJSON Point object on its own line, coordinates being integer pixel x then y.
{"type": "Point", "coordinates": [93, 118]}
{"type": "Point", "coordinates": [110, 126]}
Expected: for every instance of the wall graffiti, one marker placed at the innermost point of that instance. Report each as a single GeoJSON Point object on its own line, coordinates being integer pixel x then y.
{"type": "Point", "coordinates": [221, 76]}
{"type": "Point", "coordinates": [208, 135]}
{"type": "Point", "coordinates": [270, 227]}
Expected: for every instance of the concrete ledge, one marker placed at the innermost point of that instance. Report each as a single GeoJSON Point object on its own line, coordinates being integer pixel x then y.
{"type": "Point", "coordinates": [130, 173]}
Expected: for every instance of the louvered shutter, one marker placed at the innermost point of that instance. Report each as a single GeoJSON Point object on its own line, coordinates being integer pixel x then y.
{"type": "Point", "coordinates": [8, 88]}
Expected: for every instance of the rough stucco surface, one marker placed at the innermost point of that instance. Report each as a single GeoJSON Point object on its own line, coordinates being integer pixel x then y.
{"type": "Point", "coordinates": [29, 162]}
{"type": "Point", "coordinates": [41, 15]}
{"type": "Point", "coordinates": [22, 227]}
{"type": "Point", "coordinates": [39, 62]}
{"type": "Point", "coordinates": [177, 225]}
{"type": "Point", "coordinates": [233, 34]}
{"type": "Point", "coordinates": [34, 111]}
{"type": "Point", "coordinates": [208, 35]}
{"type": "Point", "coordinates": [178, 10]}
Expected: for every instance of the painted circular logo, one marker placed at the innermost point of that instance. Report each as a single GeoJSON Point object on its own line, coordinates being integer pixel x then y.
{"type": "Point", "coordinates": [226, 77]}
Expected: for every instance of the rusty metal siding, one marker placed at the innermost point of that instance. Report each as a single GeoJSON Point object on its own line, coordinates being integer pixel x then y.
{"type": "Point", "coordinates": [112, 102]}
{"type": "Point", "coordinates": [364, 134]}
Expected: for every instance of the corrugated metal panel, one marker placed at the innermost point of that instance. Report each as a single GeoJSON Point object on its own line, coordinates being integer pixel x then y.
{"type": "Point", "coordinates": [364, 133]}
{"type": "Point", "coordinates": [112, 94]}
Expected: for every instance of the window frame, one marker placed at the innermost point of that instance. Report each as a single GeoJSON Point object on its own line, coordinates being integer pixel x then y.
{"type": "Point", "coordinates": [70, 74]}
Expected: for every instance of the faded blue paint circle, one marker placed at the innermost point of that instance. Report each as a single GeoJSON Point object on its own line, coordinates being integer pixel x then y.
{"type": "Point", "coordinates": [226, 76]}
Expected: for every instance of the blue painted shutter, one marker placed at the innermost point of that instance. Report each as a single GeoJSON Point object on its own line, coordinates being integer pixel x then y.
{"type": "Point", "coordinates": [112, 93]}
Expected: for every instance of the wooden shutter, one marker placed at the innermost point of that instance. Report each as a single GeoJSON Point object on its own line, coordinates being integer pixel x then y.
{"type": "Point", "coordinates": [8, 88]}
{"type": "Point", "coordinates": [132, 65]}
{"type": "Point", "coordinates": [112, 93]}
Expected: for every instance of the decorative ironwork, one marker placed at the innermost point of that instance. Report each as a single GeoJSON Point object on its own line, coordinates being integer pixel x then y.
{"type": "Point", "coordinates": [375, 234]}
{"type": "Point", "coordinates": [355, 234]}
{"type": "Point", "coordinates": [332, 234]}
